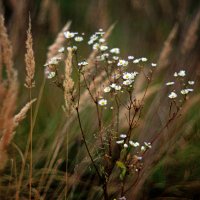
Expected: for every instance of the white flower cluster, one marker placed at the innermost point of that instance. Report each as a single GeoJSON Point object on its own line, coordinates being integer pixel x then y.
{"type": "Point", "coordinates": [121, 141]}
{"type": "Point", "coordinates": [115, 51]}
{"type": "Point", "coordinates": [97, 38]}
{"type": "Point", "coordinates": [122, 63]}
{"type": "Point", "coordinates": [113, 86]}
{"type": "Point", "coordinates": [83, 63]}
{"type": "Point", "coordinates": [186, 90]}
{"type": "Point", "coordinates": [49, 73]}
{"type": "Point", "coordinates": [69, 34]}
{"type": "Point", "coordinates": [143, 59]}
{"type": "Point", "coordinates": [181, 73]}
{"type": "Point", "coordinates": [129, 77]}
{"type": "Point", "coordinates": [74, 35]}
{"type": "Point", "coordinates": [172, 95]}
{"type": "Point", "coordinates": [53, 61]}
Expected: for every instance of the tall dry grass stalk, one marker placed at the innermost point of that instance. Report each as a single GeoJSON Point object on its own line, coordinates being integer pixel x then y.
{"type": "Point", "coordinates": [191, 35]}
{"type": "Point", "coordinates": [68, 83]}
{"type": "Point", "coordinates": [29, 60]}
{"type": "Point", "coordinates": [7, 52]}
{"type": "Point", "coordinates": [164, 58]}
{"type": "Point", "coordinates": [30, 83]}
{"type": "Point", "coordinates": [58, 43]}
{"type": "Point", "coordinates": [8, 91]}
{"type": "Point", "coordinates": [52, 51]}
{"type": "Point", "coordinates": [68, 86]}
{"type": "Point", "coordinates": [22, 114]}
{"type": "Point", "coordinates": [8, 120]}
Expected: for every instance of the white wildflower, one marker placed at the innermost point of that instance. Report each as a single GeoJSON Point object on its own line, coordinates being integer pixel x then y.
{"type": "Point", "coordinates": [113, 85]}
{"type": "Point", "coordinates": [128, 76]}
{"type": "Point", "coordinates": [61, 50]}
{"type": "Point", "coordinates": [49, 74]}
{"type": "Point", "coordinates": [127, 82]}
{"type": "Point", "coordinates": [182, 73]}
{"type": "Point", "coordinates": [120, 141]}
{"type": "Point", "coordinates": [118, 87]}
{"type": "Point", "coordinates": [172, 95]}
{"type": "Point", "coordinates": [103, 48]}
{"type": "Point", "coordinates": [123, 135]}
{"type": "Point", "coordinates": [134, 144]}
{"type": "Point", "coordinates": [83, 63]}
{"type": "Point", "coordinates": [125, 145]}
{"type": "Point", "coordinates": [175, 74]}
{"type": "Point", "coordinates": [130, 57]}
{"type": "Point", "coordinates": [143, 148]}
{"type": "Point", "coordinates": [115, 58]}
{"type": "Point", "coordinates": [123, 63]}
{"type": "Point", "coordinates": [69, 34]}
{"type": "Point", "coordinates": [96, 46]}
{"type": "Point", "coordinates": [78, 39]}
{"type": "Point", "coordinates": [147, 144]}
{"type": "Point", "coordinates": [190, 89]}
{"type": "Point", "coordinates": [102, 102]}
{"type": "Point", "coordinates": [115, 51]}
{"type": "Point", "coordinates": [184, 91]}
{"type": "Point", "coordinates": [107, 89]}
{"type": "Point", "coordinates": [100, 58]}
{"type": "Point", "coordinates": [136, 61]}
{"type": "Point", "coordinates": [170, 83]}
{"type": "Point", "coordinates": [153, 64]}
{"type": "Point", "coordinates": [191, 82]}
{"type": "Point", "coordinates": [102, 40]}
{"type": "Point", "coordinates": [143, 59]}
{"type": "Point", "coordinates": [105, 55]}
{"type": "Point", "coordinates": [74, 48]}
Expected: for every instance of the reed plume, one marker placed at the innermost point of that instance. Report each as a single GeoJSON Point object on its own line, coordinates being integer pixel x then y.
{"type": "Point", "coordinates": [29, 60]}
{"type": "Point", "coordinates": [191, 35]}
{"type": "Point", "coordinates": [7, 113]}
{"type": "Point", "coordinates": [7, 52]}
{"type": "Point", "coordinates": [22, 114]}
{"type": "Point", "coordinates": [164, 57]}
{"type": "Point", "coordinates": [58, 43]}
{"type": "Point", "coordinates": [68, 83]}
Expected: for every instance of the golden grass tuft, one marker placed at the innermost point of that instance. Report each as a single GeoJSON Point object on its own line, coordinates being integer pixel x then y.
{"type": "Point", "coordinates": [7, 52]}
{"type": "Point", "coordinates": [22, 113]}
{"type": "Point", "coordinates": [29, 60]}
{"type": "Point", "coordinates": [68, 83]}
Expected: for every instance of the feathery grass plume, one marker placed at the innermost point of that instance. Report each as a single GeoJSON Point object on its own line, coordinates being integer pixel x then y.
{"type": "Point", "coordinates": [22, 114]}
{"type": "Point", "coordinates": [58, 43]}
{"type": "Point", "coordinates": [68, 83]}
{"type": "Point", "coordinates": [29, 60]}
{"type": "Point", "coordinates": [7, 52]}
{"type": "Point", "coordinates": [7, 113]}
{"type": "Point", "coordinates": [191, 35]}
{"type": "Point", "coordinates": [163, 60]}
